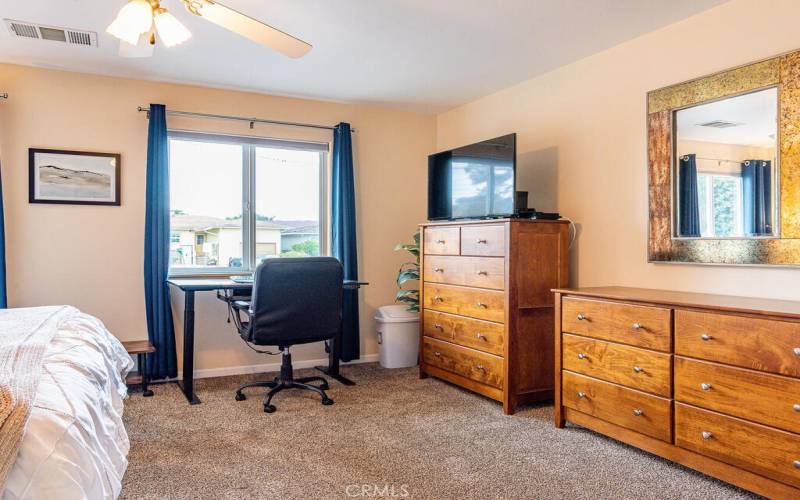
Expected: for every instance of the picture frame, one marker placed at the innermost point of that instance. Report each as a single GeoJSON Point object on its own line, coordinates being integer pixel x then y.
{"type": "Point", "coordinates": [64, 177]}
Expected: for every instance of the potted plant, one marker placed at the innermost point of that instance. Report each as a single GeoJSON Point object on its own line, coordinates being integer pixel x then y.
{"type": "Point", "coordinates": [409, 271]}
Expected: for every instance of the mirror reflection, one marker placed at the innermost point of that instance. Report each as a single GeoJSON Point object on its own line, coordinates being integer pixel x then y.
{"type": "Point", "coordinates": [725, 168]}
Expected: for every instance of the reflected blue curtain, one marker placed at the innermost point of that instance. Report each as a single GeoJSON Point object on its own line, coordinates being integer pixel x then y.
{"type": "Point", "coordinates": [3, 299]}
{"type": "Point", "coordinates": [163, 363]}
{"type": "Point", "coordinates": [343, 237]}
{"type": "Point", "coordinates": [689, 208]}
{"type": "Point", "coordinates": [757, 194]}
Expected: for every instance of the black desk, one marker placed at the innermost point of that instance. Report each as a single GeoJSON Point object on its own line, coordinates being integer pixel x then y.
{"type": "Point", "coordinates": [191, 285]}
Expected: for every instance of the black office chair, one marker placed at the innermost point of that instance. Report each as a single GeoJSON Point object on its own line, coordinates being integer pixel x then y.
{"type": "Point", "coordinates": [295, 301]}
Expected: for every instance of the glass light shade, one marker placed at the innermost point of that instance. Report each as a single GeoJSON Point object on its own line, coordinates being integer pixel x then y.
{"type": "Point", "coordinates": [135, 18]}
{"type": "Point", "coordinates": [170, 30]}
{"type": "Point", "coordinates": [142, 49]}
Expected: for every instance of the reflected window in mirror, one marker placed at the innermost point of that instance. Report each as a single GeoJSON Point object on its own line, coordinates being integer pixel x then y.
{"type": "Point", "coordinates": [725, 167]}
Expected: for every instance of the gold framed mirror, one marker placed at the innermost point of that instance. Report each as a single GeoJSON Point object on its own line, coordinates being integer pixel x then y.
{"type": "Point", "coordinates": [724, 167]}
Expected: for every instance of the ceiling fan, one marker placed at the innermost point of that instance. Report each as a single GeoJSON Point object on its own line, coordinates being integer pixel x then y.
{"type": "Point", "coordinates": [139, 21]}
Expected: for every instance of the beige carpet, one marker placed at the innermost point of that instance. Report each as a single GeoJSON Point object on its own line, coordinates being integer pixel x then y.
{"type": "Point", "coordinates": [391, 431]}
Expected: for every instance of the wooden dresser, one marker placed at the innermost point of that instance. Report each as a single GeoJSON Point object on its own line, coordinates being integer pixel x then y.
{"type": "Point", "coordinates": [709, 381]}
{"type": "Point", "coordinates": [486, 306]}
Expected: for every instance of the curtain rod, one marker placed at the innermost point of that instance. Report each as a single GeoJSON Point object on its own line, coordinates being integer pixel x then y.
{"type": "Point", "coordinates": [252, 121]}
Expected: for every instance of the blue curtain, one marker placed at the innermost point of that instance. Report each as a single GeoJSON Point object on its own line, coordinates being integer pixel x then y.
{"type": "Point", "coordinates": [689, 208]}
{"type": "Point", "coordinates": [163, 363]}
{"type": "Point", "coordinates": [343, 236]}
{"type": "Point", "coordinates": [3, 301]}
{"type": "Point", "coordinates": [757, 194]}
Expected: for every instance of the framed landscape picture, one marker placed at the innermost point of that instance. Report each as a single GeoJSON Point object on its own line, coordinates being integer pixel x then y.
{"type": "Point", "coordinates": [73, 177]}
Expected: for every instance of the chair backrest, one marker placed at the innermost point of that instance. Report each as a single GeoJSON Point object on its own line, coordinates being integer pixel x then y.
{"type": "Point", "coordinates": [296, 301]}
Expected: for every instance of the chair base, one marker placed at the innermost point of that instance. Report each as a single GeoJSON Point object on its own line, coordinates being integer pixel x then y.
{"type": "Point", "coordinates": [286, 380]}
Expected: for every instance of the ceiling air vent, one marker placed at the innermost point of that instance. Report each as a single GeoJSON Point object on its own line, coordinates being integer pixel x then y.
{"type": "Point", "coordinates": [719, 124]}
{"type": "Point", "coordinates": [52, 33]}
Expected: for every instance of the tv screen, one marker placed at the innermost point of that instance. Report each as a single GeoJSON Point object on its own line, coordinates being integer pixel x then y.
{"type": "Point", "coordinates": [475, 181]}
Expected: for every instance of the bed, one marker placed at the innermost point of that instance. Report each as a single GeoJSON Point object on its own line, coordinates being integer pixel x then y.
{"type": "Point", "coordinates": [74, 443]}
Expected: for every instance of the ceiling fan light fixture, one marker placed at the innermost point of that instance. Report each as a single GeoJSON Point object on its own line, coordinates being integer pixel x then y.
{"type": "Point", "coordinates": [135, 18]}
{"type": "Point", "coordinates": [171, 31]}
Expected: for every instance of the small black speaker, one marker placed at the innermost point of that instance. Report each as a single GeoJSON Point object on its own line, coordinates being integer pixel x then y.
{"type": "Point", "coordinates": [520, 201]}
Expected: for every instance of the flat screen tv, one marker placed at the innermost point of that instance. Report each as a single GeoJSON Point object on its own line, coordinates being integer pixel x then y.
{"type": "Point", "coordinates": [473, 182]}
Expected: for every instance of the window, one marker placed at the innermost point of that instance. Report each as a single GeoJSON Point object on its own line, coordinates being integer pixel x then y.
{"type": "Point", "coordinates": [719, 198]}
{"type": "Point", "coordinates": [235, 201]}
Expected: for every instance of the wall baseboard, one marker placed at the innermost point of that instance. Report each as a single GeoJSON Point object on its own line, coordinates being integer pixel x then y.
{"type": "Point", "coordinates": [272, 367]}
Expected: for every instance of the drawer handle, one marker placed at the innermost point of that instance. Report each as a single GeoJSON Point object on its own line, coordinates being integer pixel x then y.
{"type": "Point", "coordinates": [436, 298]}
{"type": "Point", "coordinates": [706, 337]}
{"type": "Point", "coordinates": [637, 326]}
{"type": "Point", "coordinates": [480, 336]}
{"type": "Point", "coordinates": [481, 305]}
{"type": "Point", "coordinates": [797, 351]}
{"type": "Point", "coordinates": [637, 412]}
{"type": "Point", "coordinates": [441, 242]}
{"type": "Point", "coordinates": [581, 395]}
{"type": "Point", "coordinates": [438, 270]}
{"type": "Point", "coordinates": [581, 355]}
{"type": "Point", "coordinates": [483, 273]}
{"type": "Point", "coordinates": [638, 369]}
{"type": "Point", "coordinates": [705, 387]}
{"type": "Point", "coordinates": [437, 354]}
{"type": "Point", "coordinates": [581, 317]}
{"type": "Point", "coordinates": [481, 241]}
{"type": "Point", "coordinates": [438, 326]}
{"type": "Point", "coordinates": [706, 435]}
{"type": "Point", "coordinates": [796, 464]}
{"type": "Point", "coordinates": [480, 367]}
{"type": "Point", "coordinates": [796, 407]}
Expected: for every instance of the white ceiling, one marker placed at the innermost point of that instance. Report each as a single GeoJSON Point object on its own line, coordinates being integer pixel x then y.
{"type": "Point", "coordinates": [427, 55]}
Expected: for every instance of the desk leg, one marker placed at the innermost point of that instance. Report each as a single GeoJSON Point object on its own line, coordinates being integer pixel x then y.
{"type": "Point", "coordinates": [332, 370]}
{"type": "Point", "coordinates": [187, 384]}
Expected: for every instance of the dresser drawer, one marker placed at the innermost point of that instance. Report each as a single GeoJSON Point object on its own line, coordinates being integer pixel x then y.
{"type": "Point", "coordinates": [442, 240]}
{"type": "Point", "coordinates": [761, 344]}
{"type": "Point", "coordinates": [474, 365]}
{"type": "Point", "coordinates": [482, 335]}
{"type": "Point", "coordinates": [635, 410]}
{"type": "Point", "coordinates": [642, 326]}
{"type": "Point", "coordinates": [633, 367]}
{"type": "Point", "coordinates": [763, 450]}
{"type": "Point", "coordinates": [768, 399]}
{"type": "Point", "coordinates": [472, 302]}
{"type": "Point", "coordinates": [481, 272]}
{"type": "Point", "coordinates": [483, 240]}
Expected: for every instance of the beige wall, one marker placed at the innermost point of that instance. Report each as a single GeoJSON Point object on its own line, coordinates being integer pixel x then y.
{"type": "Point", "coordinates": [589, 119]}
{"type": "Point", "coordinates": [91, 257]}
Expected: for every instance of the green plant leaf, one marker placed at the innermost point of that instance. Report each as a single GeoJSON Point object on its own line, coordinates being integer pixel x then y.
{"type": "Point", "coordinates": [407, 275]}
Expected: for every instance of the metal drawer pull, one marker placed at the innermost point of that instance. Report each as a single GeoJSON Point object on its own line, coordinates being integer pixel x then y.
{"type": "Point", "coordinates": [437, 298]}
{"type": "Point", "coordinates": [637, 412]}
{"type": "Point", "coordinates": [796, 407]}
{"type": "Point", "coordinates": [438, 270]}
{"type": "Point", "coordinates": [581, 355]}
{"type": "Point", "coordinates": [481, 241]}
{"type": "Point", "coordinates": [637, 326]}
{"type": "Point", "coordinates": [581, 317]}
{"type": "Point", "coordinates": [438, 326]}
{"type": "Point", "coordinates": [480, 367]}
{"type": "Point", "coordinates": [441, 242]}
{"type": "Point", "coordinates": [797, 351]}
{"type": "Point", "coordinates": [480, 336]}
{"type": "Point", "coordinates": [706, 337]}
{"type": "Point", "coordinates": [581, 395]}
{"type": "Point", "coordinates": [796, 464]}
{"type": "Point", "coordinates": [483, 273]}
{"type": "Point", "coordinates": [437, 354]}
{"type": "Point", "coordinates": [638, 369]}
{"type": "Point", "coordinates": [705, 387]}
{"type": "Point", "coordinates": [481, 304]}
{"type": "Point", "coordinates": [706, 435]}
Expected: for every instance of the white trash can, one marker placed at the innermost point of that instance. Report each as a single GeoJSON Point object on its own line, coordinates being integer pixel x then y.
{"type": "Point", "coordinates": [398, 336]}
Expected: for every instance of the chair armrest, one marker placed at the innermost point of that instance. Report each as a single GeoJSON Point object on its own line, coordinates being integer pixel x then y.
{"type": "Point", "coordinates": [241, 305]}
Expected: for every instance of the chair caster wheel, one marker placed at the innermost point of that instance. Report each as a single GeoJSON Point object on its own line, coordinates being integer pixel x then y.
{"type": "Point", "coordinates": [240, 396]}
{"type": "Point", "coordinates": [324, 387]}
{"type": "Point", "coordinates": [269, 408]}
{"type": "Point", "coordinates": [148, 393]}
{"type": "Point", "coordinates": [327, 401]}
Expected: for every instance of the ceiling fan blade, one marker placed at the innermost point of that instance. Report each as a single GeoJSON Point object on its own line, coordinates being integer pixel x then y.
{"type": "Point", "coordinates": [252, 29]}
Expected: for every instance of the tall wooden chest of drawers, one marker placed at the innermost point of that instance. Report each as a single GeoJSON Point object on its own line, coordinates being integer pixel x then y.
{"type": "Point", "coordinates": [486, 306]}
{"type": "Point", "coordinates": [709, 381]}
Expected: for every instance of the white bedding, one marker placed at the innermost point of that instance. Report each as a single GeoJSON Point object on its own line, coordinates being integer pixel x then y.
{"type": "Point", "coordinates": [75, 445]}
